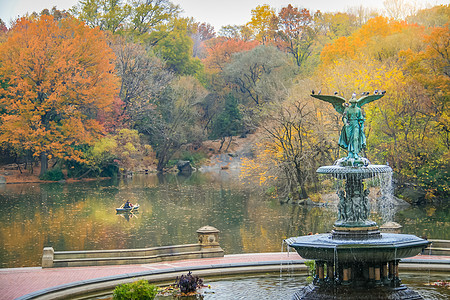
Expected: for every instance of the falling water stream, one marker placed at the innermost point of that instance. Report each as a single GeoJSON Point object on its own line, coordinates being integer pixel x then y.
{"type": "Point", "coordinates": [385, 203]}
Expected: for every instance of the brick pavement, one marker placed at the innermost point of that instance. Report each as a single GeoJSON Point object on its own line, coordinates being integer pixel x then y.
{"type": "Point", "coordinates": [21, 281]}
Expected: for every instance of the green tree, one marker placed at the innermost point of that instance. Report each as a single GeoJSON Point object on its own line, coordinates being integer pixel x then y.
{"type": "Point", "coordinates": [109, 15]}
{"type": "Point", "coordinates": [137, 16]}
{"type": "Point", "coordinates": [173, 44]}
{"type": "Point", "coordinates": [228, 123]}
{"type": "Point", "coordinates": [148, 14]}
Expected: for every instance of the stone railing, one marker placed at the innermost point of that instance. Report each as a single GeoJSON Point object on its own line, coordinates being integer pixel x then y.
{"type": "Point", "coordinates": [438, 247]}
{"type": "Point", "coordinates": [207, 246]}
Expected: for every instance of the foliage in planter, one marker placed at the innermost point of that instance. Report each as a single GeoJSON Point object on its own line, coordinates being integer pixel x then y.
{"type": "Point", "coordinates": [136, 290]}
{"type": "Point", "coordinates": [189, 283]}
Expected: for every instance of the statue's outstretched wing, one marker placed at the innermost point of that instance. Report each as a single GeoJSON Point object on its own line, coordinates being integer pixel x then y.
{"type": "Point", "coordinates": [337, 101]}
{"type": "Point", "coordinates": [367, 99]}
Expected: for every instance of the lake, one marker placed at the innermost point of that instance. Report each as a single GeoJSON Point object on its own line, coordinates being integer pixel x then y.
{"type": "Point", "coordinates": [81, 216]}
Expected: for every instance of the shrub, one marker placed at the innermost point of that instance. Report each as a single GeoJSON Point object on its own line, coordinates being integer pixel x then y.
{"type": "Point", "coordinates": [54, 175]}
{"type": "Point", "coordinates": [136, 290]}
{"type": "Point", "coordinates": [188, 283]}
{"type": "Point", "coordinates": [194, 157]}
{"type": "Point", "coordinates": [311, 265]}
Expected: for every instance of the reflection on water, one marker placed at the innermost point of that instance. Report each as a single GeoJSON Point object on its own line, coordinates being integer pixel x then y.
{"type": "Point", "coordinates": [271, 287]}
{"type": "Point", "coordinates": [81, 216]}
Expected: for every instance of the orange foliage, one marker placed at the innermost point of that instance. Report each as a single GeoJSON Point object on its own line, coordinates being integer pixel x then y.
{"type": "Point", "coordinates": [220, 50]}
{"type": "Point", "coordinates": [59, 75]}
{"type": "Point", "coordinates": [348, 47]}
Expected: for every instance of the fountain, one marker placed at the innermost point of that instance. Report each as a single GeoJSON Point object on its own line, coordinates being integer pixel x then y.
{"type": "Point", "coordinates": [355, 260]}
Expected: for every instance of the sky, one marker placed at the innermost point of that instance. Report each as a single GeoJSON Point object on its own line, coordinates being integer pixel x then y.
{"type": "Point", "coordinates": [215, 12]}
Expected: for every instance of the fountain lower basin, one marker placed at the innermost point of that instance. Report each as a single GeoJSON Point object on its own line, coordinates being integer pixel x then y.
{"type": "Point", "coordinates": [388, 247]}
{"type": "Point", "coordinates": [356, 260]}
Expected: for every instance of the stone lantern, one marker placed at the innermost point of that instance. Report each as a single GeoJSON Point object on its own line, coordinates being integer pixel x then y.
{"type": "Point", "coordinates": [391, 227]}
{"type": "Point", "coordinates": [208, 238]}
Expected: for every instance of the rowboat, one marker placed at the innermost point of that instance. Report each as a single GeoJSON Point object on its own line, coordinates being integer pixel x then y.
{"type": "Point", "coordinates": [130, 209]}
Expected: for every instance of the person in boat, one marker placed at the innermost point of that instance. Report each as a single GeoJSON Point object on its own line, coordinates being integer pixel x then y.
{"type": "Point", "coordinates": [128, 205]}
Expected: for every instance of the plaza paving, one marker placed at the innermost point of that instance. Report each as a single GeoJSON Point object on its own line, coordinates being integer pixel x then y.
{"type": "Point", "coordinates": [18, 282]}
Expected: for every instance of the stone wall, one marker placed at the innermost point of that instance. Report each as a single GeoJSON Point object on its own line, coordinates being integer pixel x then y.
{"type": "Point", "coordinates": [207, 246]}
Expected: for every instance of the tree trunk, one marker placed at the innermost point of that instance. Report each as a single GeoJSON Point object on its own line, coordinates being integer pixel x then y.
{"type": "Point", "coordinates": [18, 164]}
{"type": "Point", "coordinates": [301, 183]}
{"type": "Point", "coordinates": [222, 141]}
{"type": "Point", "coordinates": [229, 143]}
{"type": "Point", "coordinates": [44, 163]}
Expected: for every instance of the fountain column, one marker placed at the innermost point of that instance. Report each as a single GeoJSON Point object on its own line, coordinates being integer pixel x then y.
{"type": "Point", "coordinates": [346, 273]}
{"type": "Point", "coordinates": [371, 274]}
{"type": "Point", "coordinates": [378, 275]}
{"type": "Point", "coordinates": [330, 272]}
{"type": "Point", "coordinates": [320, 271]}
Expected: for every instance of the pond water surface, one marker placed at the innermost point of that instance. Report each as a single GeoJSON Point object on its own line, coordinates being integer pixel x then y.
{"type": "Point", "coordinates": [273, 287]}
{"type": "Point", "coordinates": [81, 216]}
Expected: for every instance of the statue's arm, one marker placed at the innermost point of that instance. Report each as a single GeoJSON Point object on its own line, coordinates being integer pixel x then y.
{"type": "Point", "coordinates": [345, 117]}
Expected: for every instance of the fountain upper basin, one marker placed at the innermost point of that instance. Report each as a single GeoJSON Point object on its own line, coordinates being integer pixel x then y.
{"type": "Point", "coordinates": [361, 172]}
{"type": "Point", "coordinates": [389, 247]}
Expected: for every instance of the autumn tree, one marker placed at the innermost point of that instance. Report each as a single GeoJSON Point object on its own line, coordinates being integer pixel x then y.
{"type": "Point", "coordinates": [201, 32]}
{"type": "Point", "coordinates": [349, 47]}
{"type": "Point", "coordinates": [257, 75]}
{"type": "Point", "coordinates": [429, 69]}
{"type": "Point", "coordinates": [220, 51]}
{"type": "Point", "coordinates": [399, 9]}
{"type": "Point", "coordinates": [431, 17]}
{"type": "Point", "coordinates": [230, 31]}
{"type": "Point", "coordinates": [331, 26]}
{"type": "Point", "coordinates": [173, 121]}
{"type": "Point", "coordinates": [59, 76]}
{"type": "Point", "coordinates": [3, 31]}
{"type": "Point", "coordinates": [3, 28]}
{"type": "Point", "coordinates": [263, 23]}
{"type": "Point", "coordinates": [56, 13]}
{"type": "Point", "coordinates": [362, 14]}
{"type": "Point", "coordinates": [296, 32]}
{"type": "Point", "coordinates": [294, 143]}
{"type": "Point", "coordinates": [408, 127]}
{"type": "Point", "coordinates": [143, 77]}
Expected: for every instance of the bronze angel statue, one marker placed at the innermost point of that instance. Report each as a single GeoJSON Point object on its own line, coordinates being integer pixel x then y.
{"type": "Point", "coordinates": [352, 137]}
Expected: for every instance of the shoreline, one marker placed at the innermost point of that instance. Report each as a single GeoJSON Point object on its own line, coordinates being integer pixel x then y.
{"type": "Point", "coordinates": [69, 180]}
